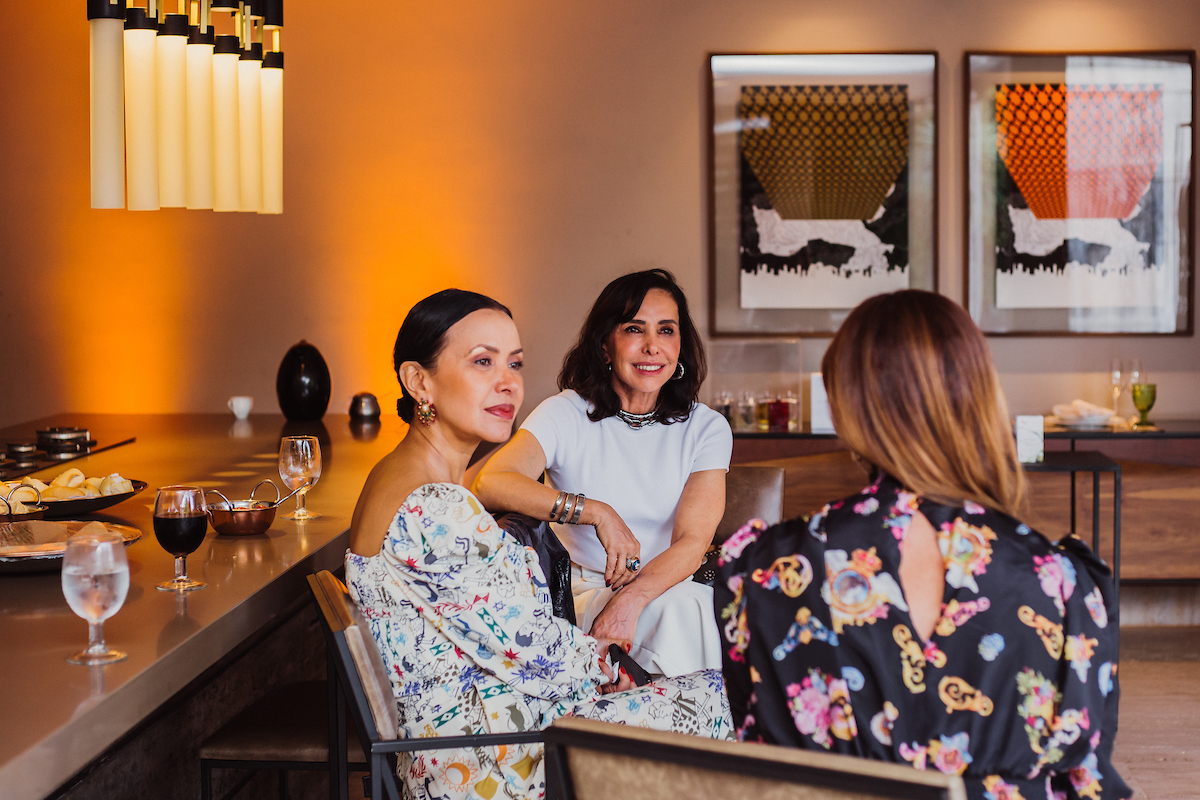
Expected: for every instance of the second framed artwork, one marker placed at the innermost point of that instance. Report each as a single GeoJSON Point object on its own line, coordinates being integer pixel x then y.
{"type": "Point", "coordinates": [1079, 192]}
{"type": "Point", "coordinates": [824, 186]}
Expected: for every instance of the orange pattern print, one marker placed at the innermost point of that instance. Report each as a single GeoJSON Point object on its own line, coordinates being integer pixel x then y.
{"type": "Point", "coordinates": [1080, 152]}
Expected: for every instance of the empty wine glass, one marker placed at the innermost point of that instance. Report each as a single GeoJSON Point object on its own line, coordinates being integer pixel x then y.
{"type": "Point", "coordinates": [300, 463]}
{"type": "Point", "coordinates": [95, 580]}
{"type": "Point", "coordinates": [180, 522]}
{"type": "Point", "coordinates": [1134, 373]}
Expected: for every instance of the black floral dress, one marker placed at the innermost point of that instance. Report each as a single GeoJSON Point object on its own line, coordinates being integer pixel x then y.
{"type": "Point", "coordinates": [1016, 689]}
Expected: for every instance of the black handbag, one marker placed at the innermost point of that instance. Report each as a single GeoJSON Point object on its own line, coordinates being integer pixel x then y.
{"type": "Point", "coordinates": [554, 558]}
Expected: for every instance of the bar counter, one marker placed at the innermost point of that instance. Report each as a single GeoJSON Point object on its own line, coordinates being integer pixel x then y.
{"type": "Point", "coordinates": [55, 717]}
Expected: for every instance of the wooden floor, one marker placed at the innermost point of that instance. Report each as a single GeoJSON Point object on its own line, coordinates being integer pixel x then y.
{"type": "Point", "coordinates": [1158, 519]}
{"type": "Point", "coordinates": [1158, 741]}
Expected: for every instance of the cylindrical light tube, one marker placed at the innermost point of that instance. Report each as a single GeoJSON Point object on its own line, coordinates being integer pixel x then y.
{"type": "Point", "coordinates": [106, 24]}
{"type": "Point", "coordinates": [272, 133]}
{"type": "Point", "coordinates": [141, 110]}
{"type": "Point", "coordinates": [200, 118]}
{"type": "Point", "coordinates": [250, 127]}
{"type": "Point", "coordinates": [227, 179]}
{"type": "Point", "coordinates": [172, 111]}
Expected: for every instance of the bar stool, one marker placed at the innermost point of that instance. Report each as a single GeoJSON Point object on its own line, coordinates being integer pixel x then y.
{"type": "Point", "coordinates": [287, 729]}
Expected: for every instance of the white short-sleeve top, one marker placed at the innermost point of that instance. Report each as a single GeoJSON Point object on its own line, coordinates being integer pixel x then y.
{"type": "Point", "coordinates": [640, 472]}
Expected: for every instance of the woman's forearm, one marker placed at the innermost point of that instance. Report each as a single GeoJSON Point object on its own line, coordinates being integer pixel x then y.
{"type": "Point", "coordinates": [670, 567]}
{"type": "Point", "coordinates": [511, 491]}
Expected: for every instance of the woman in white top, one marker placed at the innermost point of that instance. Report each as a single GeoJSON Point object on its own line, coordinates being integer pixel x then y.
{"type": "Point", "coordinates": [637, 474]}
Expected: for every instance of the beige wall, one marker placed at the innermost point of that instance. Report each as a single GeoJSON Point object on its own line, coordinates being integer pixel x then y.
{"type": "Point", "coordinates": [529, 149]}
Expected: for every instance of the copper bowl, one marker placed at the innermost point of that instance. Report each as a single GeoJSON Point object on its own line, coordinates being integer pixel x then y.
{"type": "Point", "coordinates": [242, 517]}
{"type": "Point", "coordinates": [36, 510]}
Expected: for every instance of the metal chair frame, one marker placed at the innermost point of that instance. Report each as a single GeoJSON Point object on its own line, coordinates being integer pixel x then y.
{"type": "Point", "coordinates": [347, 684]}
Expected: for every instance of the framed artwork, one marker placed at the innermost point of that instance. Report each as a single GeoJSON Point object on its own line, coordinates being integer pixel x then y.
{"type": "Point", "coordinates": [823, 182]}
{"type": "Point", "coordinates": [1079, 192]}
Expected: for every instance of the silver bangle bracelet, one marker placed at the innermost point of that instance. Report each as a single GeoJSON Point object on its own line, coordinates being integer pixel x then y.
{"type": "Point", "coordinates": [570, 505]}
{"type": "Point", "coordinates": [557, 505]}
{"type": "Point", "coordinates": [578, 510]}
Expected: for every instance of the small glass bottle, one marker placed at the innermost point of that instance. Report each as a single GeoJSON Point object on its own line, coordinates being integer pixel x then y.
{"type": "Point", "coordinates": [793, 403]}
{"type": "Point", "coordinates": [762, 412]}
{"type": "Point", "coordinates": [746, 419]}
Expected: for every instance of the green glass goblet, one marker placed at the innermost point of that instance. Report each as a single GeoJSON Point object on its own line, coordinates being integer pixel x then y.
{"type": "Point", "coordinates": [1144, 395]}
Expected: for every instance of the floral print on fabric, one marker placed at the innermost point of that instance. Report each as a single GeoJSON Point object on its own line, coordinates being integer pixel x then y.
{"type": "Point", "coordinates": [821, 708]}
{"type": "Point", "coordinates": [1015, 690]}
{"type": "Point", "coordinates": [463, 619]}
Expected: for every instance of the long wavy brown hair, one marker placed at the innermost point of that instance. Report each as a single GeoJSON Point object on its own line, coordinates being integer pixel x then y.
{"type": "Point", "coordinates": [585, 368]}
{"type": "Point", "coordinates": [912, 389]}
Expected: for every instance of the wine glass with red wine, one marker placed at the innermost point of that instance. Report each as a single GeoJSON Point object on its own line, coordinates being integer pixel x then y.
{"type": "Point", "coordinates": [180, 522]}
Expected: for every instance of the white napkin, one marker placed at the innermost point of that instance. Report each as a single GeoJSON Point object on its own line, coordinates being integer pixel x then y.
{"type": "Point", "coordinates": [1078, 410]}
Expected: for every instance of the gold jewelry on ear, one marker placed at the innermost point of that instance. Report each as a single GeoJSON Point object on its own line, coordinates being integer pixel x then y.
{"type": "Point", "coordinates": [426, 412]}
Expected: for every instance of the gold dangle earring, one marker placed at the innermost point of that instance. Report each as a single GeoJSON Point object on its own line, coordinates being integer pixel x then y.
{"type": "Point", "coordinates": [426, 413]}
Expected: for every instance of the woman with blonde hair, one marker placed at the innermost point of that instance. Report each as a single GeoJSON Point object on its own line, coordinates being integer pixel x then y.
{"type": "Point", "coordinates": [920, 621]}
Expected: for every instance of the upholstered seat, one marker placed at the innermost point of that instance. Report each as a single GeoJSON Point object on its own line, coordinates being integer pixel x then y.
{"type": "Point", "coordinates": [290, 723]}
{"type": "Point", "coordinates": [286, 729]}
{"type": "Point", "coordinates": [750, 492]}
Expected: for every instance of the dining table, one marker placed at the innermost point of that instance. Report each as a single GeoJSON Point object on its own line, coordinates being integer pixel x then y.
{"type": "Point", "coordinates": [58, 718]}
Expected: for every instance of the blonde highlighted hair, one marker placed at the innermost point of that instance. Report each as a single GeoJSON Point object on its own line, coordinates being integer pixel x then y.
{"type": "Point", "coordinates": [913, 390]}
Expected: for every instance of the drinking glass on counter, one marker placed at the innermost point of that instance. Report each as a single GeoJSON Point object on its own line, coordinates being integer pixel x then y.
{"type": "Point", "coordinates": [180, 522]}
{"type": "Point", "coordinates": [1144, 395]}
{"type": "Point", "coordinates": [300, 463]}
{"type": "Point", "coordinates": [95, 580]}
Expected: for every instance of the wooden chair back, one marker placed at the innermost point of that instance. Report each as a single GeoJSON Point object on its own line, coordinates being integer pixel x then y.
{"type": "Point", "coordinates": [590, 760]}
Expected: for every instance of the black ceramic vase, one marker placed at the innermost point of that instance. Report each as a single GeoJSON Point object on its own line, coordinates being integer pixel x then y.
{"type": "Point", "coordinates": [303, 384]}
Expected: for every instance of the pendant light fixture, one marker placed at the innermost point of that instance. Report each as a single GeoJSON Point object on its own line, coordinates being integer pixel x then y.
{"type": "Point", "coordinates": [272, 108]}
{"type": "Point", "coordinates": [227, 178]}
{"type": "Point", "coordinates": [200, 108]}
{"type": "Point", "coordinates": [172, 110]}
{"type": "Point", "coordinates": [250, 126]}
{"type": "Point", "coordinates": [180, 116]}
{"type": "Point", "coordinates": [106, 26]}
{"type": "Point", "coordinates": [141, 110]}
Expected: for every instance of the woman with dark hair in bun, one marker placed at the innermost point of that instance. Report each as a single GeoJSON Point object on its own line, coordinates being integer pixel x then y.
{"type": "Point", "coordinates": [637, 474]}
{"type": "Point", "coordinates": [459, 608]}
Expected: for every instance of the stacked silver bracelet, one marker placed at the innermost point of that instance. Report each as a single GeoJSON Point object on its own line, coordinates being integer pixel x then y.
{"type": "Point", "coordinates": [567, 508]}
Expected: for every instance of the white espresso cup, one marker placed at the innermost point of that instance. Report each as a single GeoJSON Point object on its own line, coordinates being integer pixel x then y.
{"type": "Point", "coordinates": [240, 406]}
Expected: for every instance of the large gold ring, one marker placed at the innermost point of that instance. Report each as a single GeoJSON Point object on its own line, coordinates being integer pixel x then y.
{"type": "Point", "coordinates": [633, 564]}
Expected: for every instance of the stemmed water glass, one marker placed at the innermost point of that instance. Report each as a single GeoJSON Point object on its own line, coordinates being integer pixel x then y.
{"type": "Point", "coordinates": [95, 580]}
{"type": "Point", "coordinates": [180, 522]}
{"type": "Point", "coordinates": [300, 463]}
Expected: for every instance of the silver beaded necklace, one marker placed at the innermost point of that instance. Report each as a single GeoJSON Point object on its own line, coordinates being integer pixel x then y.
{"type": "Point", "coordinates": [636, 421]}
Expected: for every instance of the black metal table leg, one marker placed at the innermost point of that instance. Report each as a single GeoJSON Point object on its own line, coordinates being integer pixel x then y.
{"type": "Point", "coordinates": [1096, 512]}
{"type": "Point", "coordinates": [1073, 528]}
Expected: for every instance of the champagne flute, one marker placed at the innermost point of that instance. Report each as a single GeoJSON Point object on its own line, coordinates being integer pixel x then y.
{"type": "Point", "coordinates": [180, 522]}
{"type": "Point", "coordinates": [1117, 380]}
{"type": "Point", "coordinates": [95, 580]}
{"type": "Point", "coordinates": [300, 464]}
{"type": "Point", "coordinates": [1134, 373]}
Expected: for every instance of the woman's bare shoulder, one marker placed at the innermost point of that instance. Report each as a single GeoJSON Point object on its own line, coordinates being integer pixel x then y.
{"type": "Point", "coordinates": [389, 483]}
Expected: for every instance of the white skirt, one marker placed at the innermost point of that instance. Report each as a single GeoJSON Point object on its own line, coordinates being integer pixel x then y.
{"type": "Point", "coordinates": [676, 633]}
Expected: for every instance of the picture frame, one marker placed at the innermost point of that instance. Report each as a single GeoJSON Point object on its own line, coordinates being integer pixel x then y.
{"type": "Point", "coordinates": [812, 213]}
{"type": "Point", "coordinates": [1079, 192]}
